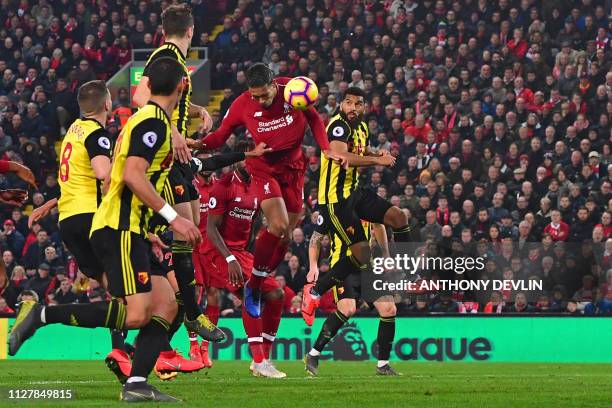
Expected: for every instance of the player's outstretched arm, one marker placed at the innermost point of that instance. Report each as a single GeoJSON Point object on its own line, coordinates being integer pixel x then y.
{"type": "Point", "coordinates": [197, 111]}
{"type": "Point", "coordinates": [231, 120]}
{"type": "Point", "coordinates": [234, 270]}
{"type": "Point", "coordinates": [354, 160]}
{"type": "Point", "coordinates": [41, 212]}
{"type": "Point", "coordinates": [20, 170]}
{"type": "Point", "coordinates": [134, 176]}
{"type": "Point", "coordinates": [314, 249]}
{"type": "Point", "coordinates": [317, 127]}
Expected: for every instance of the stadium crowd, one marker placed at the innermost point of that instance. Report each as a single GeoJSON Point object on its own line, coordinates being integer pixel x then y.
{"type": "Point", "coordinates": [498, 113]}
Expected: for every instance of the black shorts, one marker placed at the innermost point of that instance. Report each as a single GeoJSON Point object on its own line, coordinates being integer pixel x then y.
{"type": "Point", "coordinates": [74, 231]}
{"type": "Point", "coordinates": [350, 288]}
{"type": "Point", "coordinates": [161, 268]}
{"type": "Point", "coordinates": [179, 186]}
{"type": "Point", "coordinates": [344, 217]}
{"type": "Point", "coordinates": [126, 258]}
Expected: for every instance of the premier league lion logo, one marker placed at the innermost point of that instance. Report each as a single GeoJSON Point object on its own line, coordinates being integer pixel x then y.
{"type": "Point", "coordinates": [349, 345]}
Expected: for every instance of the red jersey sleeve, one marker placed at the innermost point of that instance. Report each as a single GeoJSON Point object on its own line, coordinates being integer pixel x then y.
{"type": "Point", "coordinates": [4, 166]}
{"type": "Point", "coordinates": [217, 203]}
{"type": "Point", "coordinates": [318, 128]}
{"type": "Point", "coordinates": [231, 120]}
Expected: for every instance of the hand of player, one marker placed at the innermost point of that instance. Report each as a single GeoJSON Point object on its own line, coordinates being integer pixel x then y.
{"type": "Point", "coordinates": [13, 196]}
{"type": "Point", "coordinates": [337, 157]}
{"type": "Point", "coordinates": [386, 160]}
{"type": "Point", "coordinates": [259, 150]}
{"type": "Point", "coordinates": [234, 272]}
{"type": "Point", "coordinates": [383, 152]}
{"type": "Point", "coordinates": [25, 174]}
{"type": "Point", "coordinates": [187, 229]}
{"type": "Point", "coordinates": [157, 246]}
{"type": "Point", "coordinates": [313, 275]}
{"type": "Point", "coordinates": [195, 144]}
{"type": "Point", "coordinates": [38, 214]}
{"type": "Point", "coordinates": [206, 119]}
{"type": "Point", "coordinates": [179, 145]}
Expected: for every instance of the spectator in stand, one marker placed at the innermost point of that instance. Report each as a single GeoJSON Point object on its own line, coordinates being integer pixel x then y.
{"type": "Point", "coordinates": [40, 282]}
{"type": "Point", "coordinates": [289, 293]}
{"type": "Point", "coordinates": [295, 274]}
{"type": "Point", "coordinates": [520, 305]}
{"type": "Point", "coordinates": [13, 240]}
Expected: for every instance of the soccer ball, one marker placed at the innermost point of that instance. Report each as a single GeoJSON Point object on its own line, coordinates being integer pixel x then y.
{"type": "Point", "coordinates": [301, 93]}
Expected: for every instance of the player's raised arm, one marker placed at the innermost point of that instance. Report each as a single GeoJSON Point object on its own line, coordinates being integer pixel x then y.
{"type": "Point", "coordinates": [20, 170]}
{"type": "Point", "coordinates": [223, 160]}
{"type": "Point", "coordinates": [314, 249]}
{"type": "Point", "coordinates": [231, 120]}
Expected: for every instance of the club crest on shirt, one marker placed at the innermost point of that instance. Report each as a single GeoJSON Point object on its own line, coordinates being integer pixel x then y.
{"type": "Point", "coordinates": [286, 107]}
{"type": "Point", "coordinates": [267, 188]}
{"type": "Point", "coordinates": [180, 190]}
{"type": "Point", "coordinates": [351, 230]}
{"type": "Point", "coordinates": [143, 277]}
{"type": "Point", "coordinates": [289, 119]}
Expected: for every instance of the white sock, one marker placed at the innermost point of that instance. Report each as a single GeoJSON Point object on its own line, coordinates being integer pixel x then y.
{"type": "Point", "coordinates": [43, 315]}
{"type": "Point", "coordinates": [382, 363]}
{"type": "Point", "coordinates": [136, 379]}
{"type": "Point", "coordinates": [314, 352]}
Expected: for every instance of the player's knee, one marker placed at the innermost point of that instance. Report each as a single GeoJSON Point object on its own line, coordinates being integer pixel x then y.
{"type": "Point", "coordinates": [386, 309]}
{"type": "Point", "coordinates": [138, 319]}
{"type": "Point", "coordinates": [361, 252]}
{"type": "Point", "coordinates": [348, 309]}
{"type": "Point", "coordinates": [276, 294]}
{"type": "Point", "coordinates": [395, 218]}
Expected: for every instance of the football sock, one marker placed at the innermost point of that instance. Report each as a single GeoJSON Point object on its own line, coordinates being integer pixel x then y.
{"type": "Point", "coordinates": [340, 271]}
{"type": "Point", "coordinates": [178, 320]}
{"type": "Point", "coordinates": [386, 334]}
{"type": "Point", "coordinates": [97, 314]}
{"type": "Point", "coordinates": [402, 234]}
{"type": "Point", "coordinates": [118, 339]}
{"type": "Point", "coordinates": [184, 272]}
{"type": "Point", "coordinates": [270, 319]}
{"type": "Point", "coordinates": [151, 339]}
{"type": "Point", "coordinates": [252, 327]}
{"type": "Point", "coordinates": [193, 338]}
{"type": "Point", "coordinates": [331, 326]}
{"type": "Point", "coordinates": [279, 254]}
{"type": "Point", "coordinates": [265, 247]}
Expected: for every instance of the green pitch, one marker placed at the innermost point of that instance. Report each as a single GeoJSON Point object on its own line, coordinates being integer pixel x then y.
{"type": "Point", "coordinates": [340, 384]}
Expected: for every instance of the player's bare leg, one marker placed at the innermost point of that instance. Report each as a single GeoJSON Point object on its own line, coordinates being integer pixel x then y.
{"type": "Point", "coordinates": [182, 255]}
{"type": "Point", "coordinates": [345, 309]}
{"type": "Point", "coordinates": [386, 333]}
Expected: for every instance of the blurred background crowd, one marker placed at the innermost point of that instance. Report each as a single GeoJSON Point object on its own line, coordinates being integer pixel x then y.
{"type": "Point", "coordinates": [498, 112]}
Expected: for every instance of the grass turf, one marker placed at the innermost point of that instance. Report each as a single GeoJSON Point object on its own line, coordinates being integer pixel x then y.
{"type": "Point", "coordinates": [340, 384]}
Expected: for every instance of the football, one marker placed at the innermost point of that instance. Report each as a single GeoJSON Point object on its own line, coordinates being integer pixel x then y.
{"type": "Point", "coordinates": [301, 92]}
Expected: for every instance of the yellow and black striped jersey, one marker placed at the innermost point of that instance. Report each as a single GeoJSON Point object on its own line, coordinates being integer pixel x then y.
{"type": "Point", "coordinates": [146, 134]}
{"type": "Point", "coordinates": [339, 249]}
{"type": "Point", "coordinates": [335, 182]}
{"type": "Point", "coordinates": [180, 116]}
{"type": "Point", "coordinates": [81, 191]}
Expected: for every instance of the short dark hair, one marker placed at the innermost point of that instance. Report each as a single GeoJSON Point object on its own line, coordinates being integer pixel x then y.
{"type": "Point", "coordinates": [259, 75]}
{"type": "Point", "coordinates": [355, 91]}
{"type": "Point", "coordinates": [92, 97]}
{"type": "Point", "coordinates": [164, 75]}
{"type": "Point", "coordinates": [176, 20]}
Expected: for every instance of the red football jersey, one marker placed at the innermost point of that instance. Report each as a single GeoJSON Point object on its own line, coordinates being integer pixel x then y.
{"type": "Point", "coordinates": [280, 126]}
{"type": "Point", "coordinates": [232, 197]}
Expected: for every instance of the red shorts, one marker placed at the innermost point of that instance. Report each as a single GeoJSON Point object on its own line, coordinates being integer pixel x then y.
{"type": "Point", "coordinates": [203, 266]}
{"type": "Point", "coordinates": [288, 185]}
{"type": "Point", "coordinates": [219, 278]}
